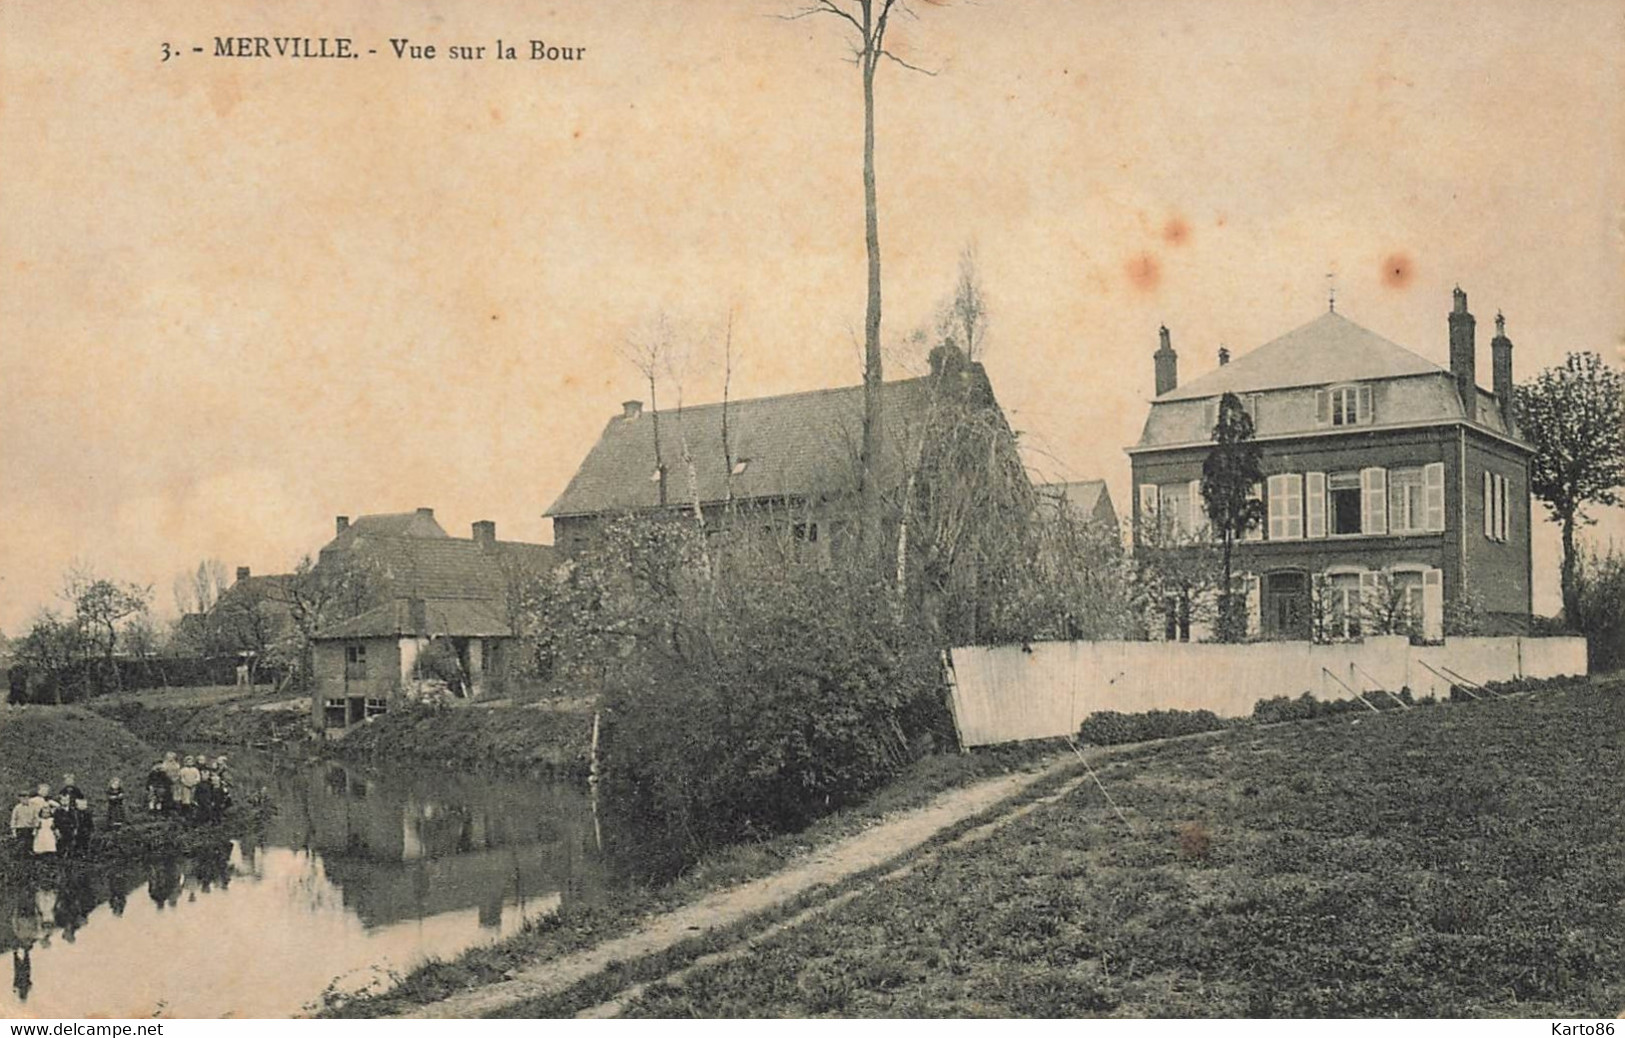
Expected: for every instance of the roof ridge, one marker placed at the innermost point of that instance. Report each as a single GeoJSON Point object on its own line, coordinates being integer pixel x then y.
{"type": "Point", "coordinates": [795, 395]}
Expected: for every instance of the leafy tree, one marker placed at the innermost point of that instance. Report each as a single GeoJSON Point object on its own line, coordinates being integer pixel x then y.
{"type": "Point", "coordinates": [1229, 473]}
{"type": "Point", "coordinates": [1575, 417]}
{"type": "Point", "coordinates": [1601, 612]}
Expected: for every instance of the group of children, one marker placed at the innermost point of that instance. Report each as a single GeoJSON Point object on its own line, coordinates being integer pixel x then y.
{"type": "Point", "coordinates": [45, 825]}
{"type": "Point", "coordinates": [196, 788]}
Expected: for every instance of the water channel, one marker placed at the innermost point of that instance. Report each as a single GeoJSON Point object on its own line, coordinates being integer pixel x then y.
{"type": "Point", "coordinates": [358, 877]}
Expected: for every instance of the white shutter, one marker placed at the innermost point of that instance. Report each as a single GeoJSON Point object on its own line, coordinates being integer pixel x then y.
{"type": "Point", "coordinates": [1489, 506]}
{"type": "Point", "coordinates": [1198, 517]}
{"type": "Point", "coordinates": [1277, 507]}
{"type": "Point", "coordinates": [1294, 506]}
{"type": "Point", "coordinates": [1255, 610]}
{"type": "Point", "coordinates": [1148, 504]}
{"type": "Point", "coordinates": [1368, 600]}
{"type": "Point", "coordinates": [1374, 501]}
{"type": "Point", "coordinates": [1432, 605]}
{"type": "Point", "coordinates": [1323, 407]}
{"type": "Point", "coordinates": [1433, 495]}
{"type": "Point", "coordinates": [1314, 504]}
{"type": "Point", "coordinates": [1256, 533]}
{"type": "Point", "coordinates": [1502, 500]}
{"type": "Point", "coordinates": [1365, 405]}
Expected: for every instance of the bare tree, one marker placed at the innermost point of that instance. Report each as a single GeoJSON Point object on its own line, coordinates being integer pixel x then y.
{"type": "Point", "coordinates": [100, 608]}
{"type": "Point", "coordinates": [868, 20]}
{"type": "Point", "coordinates": [649, 349]}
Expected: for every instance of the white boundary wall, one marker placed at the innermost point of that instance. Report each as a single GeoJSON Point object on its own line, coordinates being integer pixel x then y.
{"type": "Point", "coordinates": [1010, 693]}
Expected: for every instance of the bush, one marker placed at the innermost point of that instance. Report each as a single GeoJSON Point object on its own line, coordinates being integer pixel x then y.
{"type": "Point", "coordinates": [1307, 708]}
{"type": "Point", "coordinates": [759, 705]}
{"type": "Point", "coordinates": [1111, 727]}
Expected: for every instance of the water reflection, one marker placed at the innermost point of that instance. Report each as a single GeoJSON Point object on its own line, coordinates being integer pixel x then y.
{"type": "Point", "coordinates": [357, 877]}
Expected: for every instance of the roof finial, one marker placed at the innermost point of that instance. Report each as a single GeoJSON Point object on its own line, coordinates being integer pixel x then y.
{"type": "Point", "coordinates": [1331, 293]}
{"type": "Point", "coordinates": [1500, 324]}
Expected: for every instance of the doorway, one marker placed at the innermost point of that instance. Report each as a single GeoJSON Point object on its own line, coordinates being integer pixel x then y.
{"type": "Point", "coordinates": [1286, 605]}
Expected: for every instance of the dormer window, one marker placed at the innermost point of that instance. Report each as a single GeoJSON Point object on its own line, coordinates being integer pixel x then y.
{"type": "Point", "coordinates": [1343, 405]}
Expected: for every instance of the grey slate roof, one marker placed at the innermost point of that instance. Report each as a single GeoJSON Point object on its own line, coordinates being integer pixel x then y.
{"type": "Point", "coordinates": [1329, 349]}
{"type": "Point", "coordinates": [469, 581]}
{"type": "Point", "coordinates": [801, 446]}
{"type": "Point", "coordinates": [420, 524]}
{"type": "Point", "coordinates": [1084, 497]}
{"type": "Point", "coordinates": [1278, 382]}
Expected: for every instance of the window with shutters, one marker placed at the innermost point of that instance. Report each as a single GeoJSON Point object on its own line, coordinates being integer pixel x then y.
{"type": "Point", "coordinates": [1343, 502]}
{"type": "Point", "coordinates": [1406, 508]}
{"type": "Point", "coordinates": [1174, 506]}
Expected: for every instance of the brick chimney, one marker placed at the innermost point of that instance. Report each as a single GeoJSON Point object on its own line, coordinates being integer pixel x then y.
{"type": "Point", "coordinates": [1167, 364]}
{"type": "Point", "coordinates": [1224, 356]}
{"type": "Point", "coordinates": [485, 535]}
{"type": "Point", "coordinates": [342, 523]}
{"type": "Point", "coordinates": [631, 408]}
{"type": "Point", "coordinates": [1501, 364]}
{"type": "Point", "coordinates": [417, 615]}
{"type": "Point", "coordinates": [242, 571]}
{"type": "Point", "coordinates": [425, 513]}
{"type": "Point", "coordinates": [1463, 354]}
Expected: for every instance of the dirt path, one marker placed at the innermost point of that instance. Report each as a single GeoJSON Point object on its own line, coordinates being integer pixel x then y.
{"type": "Point", "coordinates": [873, 847]}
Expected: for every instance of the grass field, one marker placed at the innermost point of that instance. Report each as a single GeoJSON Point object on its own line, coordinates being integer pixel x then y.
{"type": "Point", "coordinates": [40, 743]}
{"type": "Point", "coordinates": [1460, 860]}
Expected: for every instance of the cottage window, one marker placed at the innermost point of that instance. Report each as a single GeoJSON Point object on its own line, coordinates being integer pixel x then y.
{"type": "Point", "coordinates": [1406, 504]}
{"type": "Point", "coordinates": [376, 706]}
{"type": "Point", "coordinates": [355, 662]}
{"type": "Point", "coordinates": [333, 713]}
{"type": "Point", "coordinates": [1343, 501]}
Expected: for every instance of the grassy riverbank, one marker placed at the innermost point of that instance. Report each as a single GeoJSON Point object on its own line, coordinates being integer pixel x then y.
{"type": "Point", "coordinates": [40, 743]}
{"type": "Point", "coordinates": [238, 723]}
{"type": "Point", "coordinates": [1455, 861]}
{"type": "Point", "coordinates": [510, 738]}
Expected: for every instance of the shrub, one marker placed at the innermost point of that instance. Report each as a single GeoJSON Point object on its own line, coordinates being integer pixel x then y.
{"type": "Point", "coordinates": [758, 705]}
{"type": "Point", "coordinates": [1111, 727]}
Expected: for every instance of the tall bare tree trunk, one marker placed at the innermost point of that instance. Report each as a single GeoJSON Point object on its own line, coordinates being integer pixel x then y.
{"type": "Point", "coordinates": [873, 418]}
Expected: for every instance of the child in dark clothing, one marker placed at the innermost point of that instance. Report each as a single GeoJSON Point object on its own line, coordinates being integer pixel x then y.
{"type": "Point", "coordinates": [115, 803]}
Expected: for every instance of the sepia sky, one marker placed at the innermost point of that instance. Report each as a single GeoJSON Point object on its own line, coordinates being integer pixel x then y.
{"type": "Point", "coordinates": [240, 296]}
